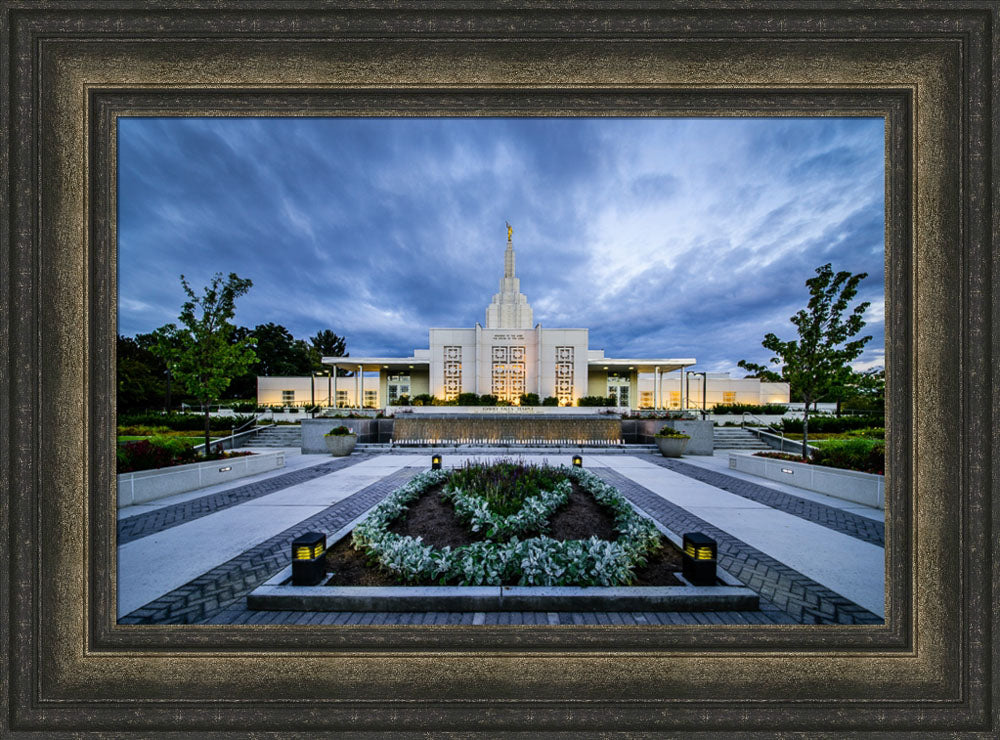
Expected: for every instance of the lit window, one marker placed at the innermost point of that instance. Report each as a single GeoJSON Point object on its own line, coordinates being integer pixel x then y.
{"type": "Point", "coordinates": [675, 399]}
{"type": "Point", "coordinates": [288, 397]}
{"type": "Point", "coordinates": [729, 396]}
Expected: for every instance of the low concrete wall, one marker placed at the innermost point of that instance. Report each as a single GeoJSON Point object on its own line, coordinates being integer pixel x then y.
{"type": "Point", "coordinates": [313, 431]}
{"type": "Point", "coordinates": [149, 485]}
{"type": "Point", "coordinates": [642, 431]}
{"type": "Point", "coordinates": [850, 485]}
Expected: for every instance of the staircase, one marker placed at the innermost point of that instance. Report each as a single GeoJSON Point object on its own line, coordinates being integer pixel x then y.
{"type": "Point", "coordinates": [277, 436]}
{"type": "Point", "coordinates": [736, 438]}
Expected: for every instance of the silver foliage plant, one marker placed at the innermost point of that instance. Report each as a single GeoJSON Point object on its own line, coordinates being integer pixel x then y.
{"type": "Point", "coordinates": [537, 561]}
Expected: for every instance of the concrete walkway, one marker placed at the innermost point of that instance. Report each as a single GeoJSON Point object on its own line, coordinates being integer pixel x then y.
{"type": "Point", "coordinates": [195, 564]}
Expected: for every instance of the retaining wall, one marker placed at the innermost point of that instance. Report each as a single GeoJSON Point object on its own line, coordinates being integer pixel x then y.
{"type": "Point", "coordinates": [144, 486]}
{"type": "Point", "coordinates": [849, 485]}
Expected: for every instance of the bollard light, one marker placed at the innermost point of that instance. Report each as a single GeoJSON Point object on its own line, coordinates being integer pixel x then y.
{"type": "Point", "coordinates": [435, 462]}
{"type": "Point", "coordinates": [700, 559]}
{"type": "Point", "coordinates": [308, 559]}
{"type": "Point", "coordinates": [577, 461]}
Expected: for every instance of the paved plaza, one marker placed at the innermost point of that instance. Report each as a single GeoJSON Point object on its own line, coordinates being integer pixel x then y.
{"type": "Point", "coordinates": [193, 558]}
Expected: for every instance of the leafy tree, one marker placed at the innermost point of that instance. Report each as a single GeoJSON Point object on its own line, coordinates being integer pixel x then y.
{"type": "Point", "coordinates": [865, 391]}
{"type": "Point", "coordinates": [328, 344]}
{"type": "Point", "coordinates": [141, 376]}
{"type": "Point", "coordinates": [200, 352]}
{"type": "Point", "coordinates": [817, 362]}
{"type": "Point", "coordinates": [279, 353]}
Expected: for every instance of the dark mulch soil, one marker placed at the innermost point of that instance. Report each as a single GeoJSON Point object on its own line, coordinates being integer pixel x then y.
{"type": "Point", "coordinates": [434, 520]}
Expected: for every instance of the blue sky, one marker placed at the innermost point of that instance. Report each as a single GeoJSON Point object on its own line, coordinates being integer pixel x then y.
{"type": "Point", "coordinates": [665, 237]}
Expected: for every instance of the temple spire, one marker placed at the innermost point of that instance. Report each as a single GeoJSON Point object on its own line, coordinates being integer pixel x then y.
{"type": "Point", "coordinates": [509, 308]}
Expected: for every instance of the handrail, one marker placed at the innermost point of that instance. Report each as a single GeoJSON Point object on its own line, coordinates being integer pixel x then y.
{"type": "Point", "coordinates": [779, 431]}
{"type": "Point", "coordinates": [231, 439]}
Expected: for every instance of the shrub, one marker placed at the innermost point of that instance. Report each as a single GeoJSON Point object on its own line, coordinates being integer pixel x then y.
{"type": "Point", "coordinates": [422, 399]}
{"type": "Point", "coordinates": [596, 401]}
{"type": "Point", "coordinates": [750, 408]}
{"type": "Point", "coordinates": [182, 422]}
{"type": "Point", "coordinates": [830, 423]}
{"type": "Point", "coordinates": [550, 401]}
{"type": "Point", "coordinates": [340, 431]}
{"type": "Point", "coordinates": [531, 399]}
{"type": "Point", "coordinates": [671, 433]}
{"type": "Point", "coordinates": [865, 455]}
{"type": "Point", "coordinates": [535, 561]}
{"type": "Point", "coordinates": [157, 452]}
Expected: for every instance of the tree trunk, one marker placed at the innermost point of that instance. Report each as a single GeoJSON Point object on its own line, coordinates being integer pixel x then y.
{"type": "Point", "coordinates": [805, 431]}
{"type": "Point", "coordinates": [208, 435]}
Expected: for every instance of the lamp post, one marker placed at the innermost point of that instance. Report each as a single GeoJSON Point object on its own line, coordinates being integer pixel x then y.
{"type": "Point", "coordinates": [704, 389]}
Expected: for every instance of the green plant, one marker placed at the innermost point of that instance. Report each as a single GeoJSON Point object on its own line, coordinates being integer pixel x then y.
{"type": "Point", "coordinates": [596, 401]}
{"type": "Point", "coordinates": [340, 431]}
{"type": "Point", "coordinates": [671, 433]}
{"type": "Point", "coordinates": [535, 561]}
{"type": "Point", "coordinates": [750, 408]}
{"type": "Point", "coordinates": [816, 363]}
{"type": "Point", "coordinates": [829, 423]}
{"type": "Point", "coordinates": [202, 354]}
{"type": "Point", "coordinates": [550, 401]}
{"type": "Point", "coordinates": [530, 399]}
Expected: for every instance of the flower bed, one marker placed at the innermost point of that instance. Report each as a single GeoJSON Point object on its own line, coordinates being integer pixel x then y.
{"type": "Point", "coordinates": [503, 558]}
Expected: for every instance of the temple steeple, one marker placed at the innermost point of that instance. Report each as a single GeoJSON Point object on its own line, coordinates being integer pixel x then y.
{"type": "Point", "coordinates": [509, 309]}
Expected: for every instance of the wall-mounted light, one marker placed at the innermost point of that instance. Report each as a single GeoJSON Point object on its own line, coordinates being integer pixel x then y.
{"type": "Point", "coordinates": [577, 461]}
{"type": "Point", "coordinates": [788, 470]}
{"type": "Point", "coordinates": [226, 469]}
{"type": "Point", "coordinates": [308, 559]}
{"type": "Point", "coordinates": [700, 558]}
{"type": "Point", "coordinates": [435, 462]}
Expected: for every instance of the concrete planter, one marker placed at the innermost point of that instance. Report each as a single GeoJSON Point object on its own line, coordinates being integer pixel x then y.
{"type": "Point", "coordinates": [149, 485]}
{"type": "Point", "coordinates": [671, 446]}
{"type": "Point", "coordinates": [340, 445]}
{"type": "Point", "coordinates": [850, 485]}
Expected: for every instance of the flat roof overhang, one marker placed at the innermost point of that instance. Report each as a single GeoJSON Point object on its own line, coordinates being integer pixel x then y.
{"type": "Point", "coordinates": [640, 364]}
{"type": "Point", "coordinates": [370, 364]}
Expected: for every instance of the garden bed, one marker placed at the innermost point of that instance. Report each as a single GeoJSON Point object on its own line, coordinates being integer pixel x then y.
{"type": "Point", "coordinates": [572, 543]}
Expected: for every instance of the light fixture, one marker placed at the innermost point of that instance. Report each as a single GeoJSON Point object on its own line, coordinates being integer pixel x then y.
{"type": "Point", "coordinates": [435, 462]}
{"type": "Point", "coordinates": [226, 469]}
{"type": "Point", "coordinates": [308, 559]}
{"type": "Point", "coordinates": [700, 558]}
{"type": "Point", "coordinates": [577, 461]}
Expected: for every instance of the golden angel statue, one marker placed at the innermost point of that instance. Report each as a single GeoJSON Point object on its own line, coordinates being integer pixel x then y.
{"type": "Point", "coordinates": [510, 230]}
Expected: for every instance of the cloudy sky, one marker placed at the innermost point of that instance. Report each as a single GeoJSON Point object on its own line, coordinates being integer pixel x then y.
{"type": "Point", "coordinates": [664, 237]}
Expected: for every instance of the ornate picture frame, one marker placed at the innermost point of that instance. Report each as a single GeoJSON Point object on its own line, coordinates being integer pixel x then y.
{"type": "Point", "coordinates": [71, 70]}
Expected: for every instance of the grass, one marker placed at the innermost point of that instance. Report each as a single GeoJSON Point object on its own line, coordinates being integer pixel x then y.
{"type": "Point", "coordinates": [505, 484]}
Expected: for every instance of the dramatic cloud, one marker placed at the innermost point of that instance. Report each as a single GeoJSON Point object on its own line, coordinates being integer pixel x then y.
{"type": "Point", "coordinates": [664, 237]}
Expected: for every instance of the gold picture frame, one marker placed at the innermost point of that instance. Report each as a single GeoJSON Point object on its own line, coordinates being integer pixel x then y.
{"type": "Point", "coordinates": [70, 71]}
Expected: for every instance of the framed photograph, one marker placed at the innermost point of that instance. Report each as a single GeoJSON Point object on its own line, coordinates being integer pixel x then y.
{"type": "Point", "coordinates": [77, 78]}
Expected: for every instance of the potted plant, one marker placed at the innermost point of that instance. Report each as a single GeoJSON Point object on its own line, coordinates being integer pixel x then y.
{"type": "Point", "coordinates": [340, 441]}
{"type": "Point", "coordinates": [671, 442]}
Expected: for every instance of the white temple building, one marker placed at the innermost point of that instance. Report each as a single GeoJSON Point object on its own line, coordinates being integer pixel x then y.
{"type": "Point", "coordinates": [510, 356]}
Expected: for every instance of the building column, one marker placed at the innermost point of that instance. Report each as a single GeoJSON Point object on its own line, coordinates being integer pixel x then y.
{"type": "Point", "coordinates": [683, 394]}
{"type": "Point", "coordinates": [656, 388]}
{"type": "Point", "coordinates": [359, 387]}
{"type": "Point", "coordinates": [334, 401]}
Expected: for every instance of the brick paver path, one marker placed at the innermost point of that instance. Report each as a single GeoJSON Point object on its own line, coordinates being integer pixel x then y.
{"type": "Point", "coordinates": [225, 584]}
{"type": "Point", "coordinates": [218, 596]}
{"type": "Point", "coordinates": [143, 525]}
{"type": "Point", "coordinates": [805, 600]}
{"type": "Point", "coordinates": [845, 522]}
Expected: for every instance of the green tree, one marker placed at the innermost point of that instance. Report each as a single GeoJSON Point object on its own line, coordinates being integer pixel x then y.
{"type": "Point", "coordinates": [816, 362]}
{"type": "Point", "coordinates": [279, 353]}
{"type": "Point", "coordinates": [328, 344]}
{"type": "Point", "coordinates": [141, 376]}
{"type": "Point", "coordinates": [199, 352]}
